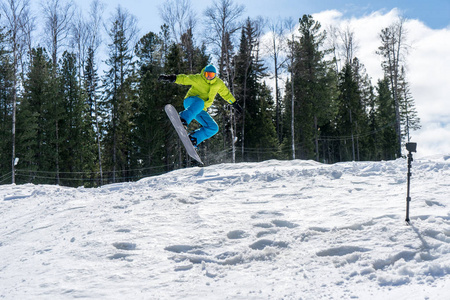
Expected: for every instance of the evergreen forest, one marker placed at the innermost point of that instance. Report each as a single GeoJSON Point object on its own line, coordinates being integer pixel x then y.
{"type": "Point", "coordinates": [81, 104]}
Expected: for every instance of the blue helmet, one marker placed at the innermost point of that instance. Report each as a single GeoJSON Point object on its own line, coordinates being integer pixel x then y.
{"type": "Point", "coordinates": [210, 68]}
{"type": "Point", "coordinates": [210, 72]}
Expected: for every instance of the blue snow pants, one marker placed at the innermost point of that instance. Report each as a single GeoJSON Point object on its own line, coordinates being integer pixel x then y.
{"type": "Point", "coordinates": [194, 111]}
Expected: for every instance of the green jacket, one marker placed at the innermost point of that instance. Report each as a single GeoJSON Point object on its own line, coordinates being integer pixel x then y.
{"type": "Point", "coordinates": [205, 89]}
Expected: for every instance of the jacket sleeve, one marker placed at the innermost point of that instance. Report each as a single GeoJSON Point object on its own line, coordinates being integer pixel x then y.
{"type": "Point", "coordinates": [185, 79]}
{"type": "Point", "coordinates": [225, 93]}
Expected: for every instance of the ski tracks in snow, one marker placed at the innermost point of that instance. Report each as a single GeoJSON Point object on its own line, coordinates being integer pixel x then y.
{"type": "Point", "coordinates": [239, 232]}
{"type": "Point", "coordinates": [246, 231]}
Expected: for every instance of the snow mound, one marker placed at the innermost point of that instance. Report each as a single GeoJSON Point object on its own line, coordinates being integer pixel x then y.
{"type": "Point", "coordinates": [270, 230]}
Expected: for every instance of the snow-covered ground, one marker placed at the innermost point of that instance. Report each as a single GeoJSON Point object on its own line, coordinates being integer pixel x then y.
{"type": "Point", "coordinates": [270, 230]}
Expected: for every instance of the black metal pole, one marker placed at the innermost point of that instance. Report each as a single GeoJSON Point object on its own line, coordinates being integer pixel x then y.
{"type": "Point", "coordinates": [411, 147]}
{"type": "Point", "coordinates": [408, 198]}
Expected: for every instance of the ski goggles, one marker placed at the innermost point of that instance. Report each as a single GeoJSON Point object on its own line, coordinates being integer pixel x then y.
{"type": "Point", "coordinates": [210, 75]}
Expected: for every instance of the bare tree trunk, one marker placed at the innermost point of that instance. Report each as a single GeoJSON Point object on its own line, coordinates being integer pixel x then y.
{"type": "Point", "coordinates": [332, 34]}
{"type": "Point", "coordinates": [352, 134]}
{"type": "Point", "coordinates": [94, 41]}
{"type": "Point", "coordinates": [316, 138]}
{"type": "Point", "coordinates": [290, 25]}
{"type": "Point", "coordinates": [58, 17]}
{"type": "Point", "coordinates": [94, 24]}
{"type": "Point", "coordinates": [243, 113]}
{"type": "Point", "coordinates": [98, 143]}
{"type": "Point", "coordinates": [57, 151]}
{"type": "Point", "coordinates": [357, 143]}
{"type": "Point", "coordinates": [349, 45]}
{"type": "Point", "coordinates": [393, 60]}
{"type": "Point", "coordinates": [292, 116]}
{"type": "Point", "coordinates": [16, 13]}
{"type": "Point", "coordinates": [13, 158]}
{"type": "Point", "coordinates": [179, 16]}
{"type": "Point", "coordinates": [233, 139]}
{"type": "Point", "coordinates": [393, 44]}
{"type": "Point", "coordinates": [85, 34]}
{"type": "Point", "coordinates": [80, 42]}
{"type": "Point", "coordinates": [277, 31]}
{"type": "Point", "coordinates": [277, 101]}
{"type": "Point", "coordinates": [400, 31]}
{"type": "Point", "coordinates": [222, 17]}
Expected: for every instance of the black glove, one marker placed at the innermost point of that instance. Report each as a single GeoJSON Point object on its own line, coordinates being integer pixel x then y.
{"type": "Point", "coordinates": [168, 78]}
{"type": "Point", "coordinates": [237, 107]}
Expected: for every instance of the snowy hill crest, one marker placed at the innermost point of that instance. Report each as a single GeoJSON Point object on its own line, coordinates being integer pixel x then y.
{"type": "Point", "coordinates": [270, 230]}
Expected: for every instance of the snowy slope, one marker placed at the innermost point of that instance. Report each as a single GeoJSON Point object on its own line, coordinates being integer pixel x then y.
{"type": "Point", "coordinates": [271, 230]}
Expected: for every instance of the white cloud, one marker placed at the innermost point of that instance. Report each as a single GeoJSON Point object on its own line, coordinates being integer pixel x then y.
{"type": "Point", "coordinates": [432, 139]}
{"type": "Point", "coordinates": [367, 30]}
{"type": "Point", "coordinates": [428, 64]}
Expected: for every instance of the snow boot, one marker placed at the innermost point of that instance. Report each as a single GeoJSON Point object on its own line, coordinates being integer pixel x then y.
{"type": "Point", "coordinates": [193, 141]}
{"type": "Point", "coordinates": [185, 124]}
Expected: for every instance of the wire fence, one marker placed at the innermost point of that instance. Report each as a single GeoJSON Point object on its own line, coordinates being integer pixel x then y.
{"type": "Point", "coordinates": [95, 178]}
{"type": "Point", "coordinates": [6, 178]}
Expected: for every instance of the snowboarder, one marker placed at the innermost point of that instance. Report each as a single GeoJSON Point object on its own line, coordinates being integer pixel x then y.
{"type": "Point", "coordinates": [204, 88]}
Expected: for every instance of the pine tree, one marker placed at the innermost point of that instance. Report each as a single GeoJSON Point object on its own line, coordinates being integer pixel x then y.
{"type": "Point", "coordinates": [410, 120]}
{"type": "Point", "coordinates": [352, 129]}
{"type": "Point", "coordinates": [392, 49]}
{"type": "Point", "coordinates": [366, 95]}
{"type": "Point", "coordinates": [119, 94]}
{"type": "Point", "coordinates": [54, 116]}
{"type": "Point", "coordinates": [150, 120]}
{"type": "Point", "coordinates": [76, 132]}
{"type": "Point", "coordinates": [174, 94]}
{"type": "Point", "coordinates": [313, 88]}
{"type": "Point", "coordinates": [257, 130]}
{"type": "Point", "coordinates": [262, 141]}
{"type": "Point", "coordinates": [36, 120]}
{"type": "Point", "coordinates": [246, 78]}
{"type": "Point", "coordinates": [349, 112]}
{"type": "Point", "coordinates": [386, 146]}
{"type": "Point", "coordinates": [96, 111]}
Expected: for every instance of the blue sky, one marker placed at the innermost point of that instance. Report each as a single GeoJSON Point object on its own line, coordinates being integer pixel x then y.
{"type": "Point", "coordinates": [433, 13]}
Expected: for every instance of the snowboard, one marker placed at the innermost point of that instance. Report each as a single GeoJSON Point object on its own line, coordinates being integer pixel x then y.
{"type": "Point", "coordinates": [182, 133]}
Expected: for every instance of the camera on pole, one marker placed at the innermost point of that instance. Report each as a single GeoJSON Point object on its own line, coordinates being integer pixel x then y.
{"type": "Point", "coordinates": [411, 147]}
